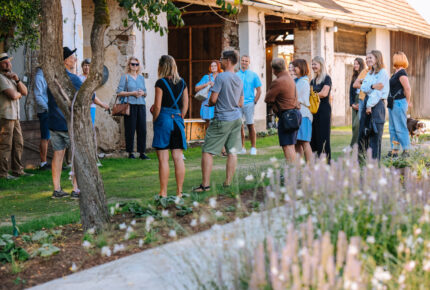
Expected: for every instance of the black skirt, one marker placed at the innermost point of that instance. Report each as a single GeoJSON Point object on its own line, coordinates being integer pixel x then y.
{"type": "Point", "coordinates": [321, 127]}
{"type": "Point", "coordinates": [175, 139]}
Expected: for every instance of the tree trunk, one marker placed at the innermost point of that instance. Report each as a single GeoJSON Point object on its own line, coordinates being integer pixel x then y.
{"type": "Point", "coordinates": [92, 201]}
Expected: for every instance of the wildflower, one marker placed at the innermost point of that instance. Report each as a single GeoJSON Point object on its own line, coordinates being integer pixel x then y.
{"type": "Point", "coordinates": [263, 174]}
{"type": "Point", "coordinates": [106, 251]}
{"type": "Point", "coordinates": [350, 208]}
{"type": "Point", "coordinates": [126, 236]}
{"type": "Point", "coordinates": [218, 213]}
{"type": "Point", "coordinates": [383, 181]}
{"type": "Point", "coordinates": [302, 162]}
{"type": "Point", "coordinates": [400, 248]}
{"type": "Point", "coordinates": [172, 234]}
{"type": "Point", "coordinates": [178, 200]}
{"type": "Point", "coordinates": [212, 202]}
{"type": "Point", "coordinates": [384, 218]}
{"type": "Point", "coordinates": [283, 189]}
{"type": "Point", "coordinates": [381, 275]}
{"type": "Point", "coordinates": [86, 244]}
{"type": "Point", "coordinates": [345, 183]}
{"type": "Point", "coordinates": [249, 177]}
{"type": "Point", "coordinates": [193, 223]}
{"type": "Point", "coordinates": [273, 159]}
{"type": "Point", "coordinates": [203, 219]}
{"type": "Point", "coordinates": [164, 213]}
{"type": "Point", "coordinates": [352, 250]}
{"type": "Point", "coordinates": [331, 177]}
{"type": "Point", "coordinates": [269, 172]}
{"type": "Point", "coordinates": [112, 210]}
{"type": "Point", "coordinates": [347, 149]}
{"type": "Point", "coordinates": [370, 166]}
{"type": "Point", "coordinates": [417, 231]}
{"type": "Point", "coordinates": [117, 206]}
{"type": "Point", "coordinates": [129, 229]}
{"type": "Point", "coordinates": [240, 243]}
{"type": "Point", "coordinates": [402, 279]}
{"type": "Point", "coordinates": [299, 193]}
{"type": "Point", "coordinates": [149, 221]}
{"type": "Point", "coordinates": [133, 222]}
{"type": "Point", "coordinates": [271, 194]}
{"type": "Point", "coordinates": [140, 243]}
{"type": "Point", "coordinates": [410, 266]}
{"type": "Point", "coordinates": [426, 265]}
{"type": "Point", "coordinates": [195, 204]}
{"type": "Point", "coordinates": [91, 231]}
{"type": "Point", "coordinates": [122, 226]}
{"type": "Point", "coordinates": [370, 240]}
{"type": "Point", "coordinates": [427, 208]}
{"type": "Point", "coordinates": [118, 248]}
{"type": "Point", "coordinates": [409, 241]}
{"type": "Point", "coordinates": [73, 268]}
{"type": "Point", "coordinates": [420, 240]}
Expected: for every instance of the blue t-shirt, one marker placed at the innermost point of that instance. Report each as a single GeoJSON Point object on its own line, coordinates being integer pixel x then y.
{"type": "Point", "coordinates": [131, 85]}
{"type": "Point", "coordinates": [229, 88]}
{"type": "Point", "coordinates": [56, 119]}
{"type": "Point", "coordinates": [250, 81]}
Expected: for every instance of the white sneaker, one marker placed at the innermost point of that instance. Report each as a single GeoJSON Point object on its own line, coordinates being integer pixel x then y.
{"type": "Point", "coordinates": [243, 151]}
{"type": "Point", "coordinates": [253, 151]}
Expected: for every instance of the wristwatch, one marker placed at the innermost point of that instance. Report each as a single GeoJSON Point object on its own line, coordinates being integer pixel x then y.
{"type": "Point", "coordinates": [17, 81]}
{"type": "Point", "coordinates": [372, 87]}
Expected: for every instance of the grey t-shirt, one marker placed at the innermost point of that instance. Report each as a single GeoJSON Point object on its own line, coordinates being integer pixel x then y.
{"type": "Point", "coordinates": [230, 89]}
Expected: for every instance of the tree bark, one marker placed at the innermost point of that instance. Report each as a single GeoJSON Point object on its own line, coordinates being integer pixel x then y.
{"type": "Point", "coordinates": [92, 201]}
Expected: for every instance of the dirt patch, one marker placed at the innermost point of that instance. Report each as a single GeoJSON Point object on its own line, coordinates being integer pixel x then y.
{"type": "Point", "coordinates": [38, 270]}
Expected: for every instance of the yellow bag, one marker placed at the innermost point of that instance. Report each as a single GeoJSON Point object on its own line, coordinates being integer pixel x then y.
{"type": "Point", "coordinates": [314, 100]}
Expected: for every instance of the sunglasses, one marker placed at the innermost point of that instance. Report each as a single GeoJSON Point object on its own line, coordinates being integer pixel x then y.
{"type": "Point", "coordinates": [134, 64]}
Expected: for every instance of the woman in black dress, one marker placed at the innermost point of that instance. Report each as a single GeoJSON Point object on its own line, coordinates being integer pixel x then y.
{"type": "Point", "coordinates": [321, 84]}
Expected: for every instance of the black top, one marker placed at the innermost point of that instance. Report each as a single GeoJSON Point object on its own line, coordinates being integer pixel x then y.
{"type": "Point", "coordinates": [166, 100]}
{"type": "Point", "coordinates": [318, 87]}
{"type": "Point", "coordinates": [396, 88]}
{"type": "Point", "coordinates": [353, 94]}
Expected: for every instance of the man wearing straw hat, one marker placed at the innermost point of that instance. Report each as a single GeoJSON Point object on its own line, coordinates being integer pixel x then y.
{"type": "Point", "coordinates": [11, 141]}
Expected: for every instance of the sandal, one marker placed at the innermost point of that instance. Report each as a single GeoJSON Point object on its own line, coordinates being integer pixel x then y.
{"type": "Point", "coordinates": [202, 188]}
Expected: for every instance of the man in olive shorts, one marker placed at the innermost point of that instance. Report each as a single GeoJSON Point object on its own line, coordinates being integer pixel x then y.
{"type": "Point", "coordinates": [224, 129]}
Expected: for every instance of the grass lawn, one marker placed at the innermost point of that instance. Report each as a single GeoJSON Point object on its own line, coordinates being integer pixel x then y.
{"type": "Point", "coordinates": [29, 199]}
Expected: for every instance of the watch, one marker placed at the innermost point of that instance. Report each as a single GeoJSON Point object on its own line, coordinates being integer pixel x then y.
{"type": "Point", "coordinates": [17, 81]}
{"type": "Point", "coordinates": [372, 87]}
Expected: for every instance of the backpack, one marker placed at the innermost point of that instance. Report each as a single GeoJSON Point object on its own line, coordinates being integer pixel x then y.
{"type": "Point", "coordinates": [314, 101]}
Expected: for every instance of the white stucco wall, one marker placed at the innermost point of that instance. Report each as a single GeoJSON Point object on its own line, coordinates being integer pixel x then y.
{"type": "Point", "coordinates": [252, 42]}
{"type": "Point", "coordinates": [379, 39]}
{"type": "Point", "coordinates": [73, 36]}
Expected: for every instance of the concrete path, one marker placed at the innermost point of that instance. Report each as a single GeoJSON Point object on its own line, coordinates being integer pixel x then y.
{"type": "Point", "coordinates": [189, 263]}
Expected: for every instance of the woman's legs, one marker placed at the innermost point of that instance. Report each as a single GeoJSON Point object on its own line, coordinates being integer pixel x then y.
{"type": "Point", "coordinates": [130, 128]}
{"type": "Point", "coordinates": [163, 170]}
{"type": "Point", "coordinates": [299, 148]}
{"type": "Point", "coordinates": [141, 128]}
{"type": "Point", "coordinates": [307, 150]}
{"type": "Point", "coordinates": [289, 153]}
{"type": "Point", "coordinates": [179, 170]}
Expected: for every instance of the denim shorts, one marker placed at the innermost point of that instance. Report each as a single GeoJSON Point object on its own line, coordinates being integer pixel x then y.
{"type": "Point", "coordinates": [44, 128]}
{"type": "Point", "coordinates": [59, 140]}
{"type": "Point", "coordinates": [248, 113]}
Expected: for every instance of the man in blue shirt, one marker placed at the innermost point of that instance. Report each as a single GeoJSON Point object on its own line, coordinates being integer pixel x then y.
{"type": "Point", "coordinates": [252, 93]}
{"type": "Point", "coordinates": [58, 128]}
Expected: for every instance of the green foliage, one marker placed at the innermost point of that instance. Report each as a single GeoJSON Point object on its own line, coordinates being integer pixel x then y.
{"type": "Point", "coordinates": [183, 210]}
{"type": "Point", "coordinates": [46, 250]}
{"type": "Point", "coordinates": [40, 235]}
{"type": "Point", "coordinates": [150, 237]}
{"type": "Point", "coordinates": [141, 211]}
{"type": "Point", "coordinates": [9, 252]}
{"type": "Point", "coordinates": [19, 22]}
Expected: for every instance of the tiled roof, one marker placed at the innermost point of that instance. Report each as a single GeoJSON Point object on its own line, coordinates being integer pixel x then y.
{"type": "Point", "coordinates": [396, 15]}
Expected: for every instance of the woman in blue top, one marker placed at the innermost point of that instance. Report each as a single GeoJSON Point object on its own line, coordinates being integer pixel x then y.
{"type": "Point", "coordinates": [170, 107]}
{"type": "Point", "coordinates": [301, 70]}
{"type": "Point", "coordinates": [376, 86]}
{"type": "Point", "coordinates": [132, 90]}
{"type": "Point", "coordinates": [206, 112]}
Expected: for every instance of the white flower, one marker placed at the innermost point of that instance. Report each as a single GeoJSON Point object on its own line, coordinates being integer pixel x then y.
{"type": "Point", "coordinates": [148, 222]}
{"type": "Point", "coordinates": [370, 240]}
{"type": "Point", "coordinates": [193, 223]}
{"type": "Point", "coordinates": [410, 266]}
{"type": "Point", "coordinates": [420, 240]}
{"type": "Point", "coordinates": [331, 177]}
{"type": "Point", "coordinates": [426, 265]}
{"type": "Point", "coordinates": [283, 189]}
{"type": "Point", "coordinates": [218, 213]}
{"type": "Point", "coordinates": [240, 243]}
{"type": "Point", "coordinates": [112, 210]}
{"type": "Point", "coordinates": [164, 213]}
{"type": "Point", "coordinates": [269, 172]}
{"type": "Point", "coordinates": [86, 244]}
{"type": "Point", "coordinates": [129, 229]}
{"type": "Point", "coordinates": [299, 193]}
{"type": "Point", "coordinates": [172, 234]}
{"type": "Point", "coordinates": [352, 250]}
{"type": "Point", "coordinates": [178, 200]}
{"type": "Point", "coordinates": [195, 204]}
{"type": "Point", "coordinates": [249, 177]}
{"type": "Point", "coordinates": [409, 241]}
{"type": "Point", "coordinates": [212, 202]}
{"type": "Point", "coordinates": [263, 174]}
{"type": "Point", "coordinates": [118, 248]}
{"type": "Point", "coordinates": [126, 236]}
{"type": "Point", "coordinates": [74, 268]}
{"type": "Point", "coordinates": [381, 275]}
{"type": "Point", "coordinates": [273, 159]}
{"type": "Point", "coordinates": [106, 251]}
{"type": "Point", "coordinates": [370, 166]}
{"type": "Point", "coordinates": [91, 231]}
{"type": "Point", "coordinates": [417, 231]}
{"type": "Point", "coordinates": [402, 279]}
{"type": "Point", "coordinates": [203, 219]}
{"type": "Point", "coordinates": [350, 208]}
{"type": "Point", "coordinates": [345, 183]}
{"type": "Point", "coordinates": [122, 226]}
{"type": "Point", "coordinates": [347, 149]}
{"type": "Point", "coordinates": [384, 218]}
{"type": "Point", "coordinates": [383, 181]}
{"type": "Point", "coordinates": [140, 243]}
{"type": "Point", "coordinates": [271, 194]}
{"type": "Point", "coordinates": [286, 198]}
{"type": "Point", "coordinates": [427, 208]}
{"type": "Point", "coordinates": [133, 222]}
{"type": "Point", "coordinates": [117, 205]}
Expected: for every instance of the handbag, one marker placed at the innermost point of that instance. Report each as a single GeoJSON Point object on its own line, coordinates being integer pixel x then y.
{"type": "Point", "coordinates": [122, 109]}
{"type": "Point", "coordinates": [202, 95]}
{"type": "Point", "coordinates": [314, 101]}
{"type": "Point", "coordinates": [390, 99]}
{"type": "Point", "coordinates": [291, 120]}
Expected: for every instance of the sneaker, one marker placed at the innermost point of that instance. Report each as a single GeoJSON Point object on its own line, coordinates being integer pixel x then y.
{"type": "Point", "coordinates": [405, 154]}
{"type": "Point", "coordinates": [9, 177]}
{"type": "Point", "coordinates": [131, 156]}
{"type": "Point", "coordinates": [243, 151]}
{"type": "Point", "coordinates": [59, 194]}
{"type": "Point", "coordinates": [45, 166]}
{"type": "Point", "coordinates": [143, 156]}
{"type": "Point", "coordinates": [253, 151]}
{"type": "Point", "coordinates": [75, 194]}
{"type": "Point", "coordinates": [22, 174]}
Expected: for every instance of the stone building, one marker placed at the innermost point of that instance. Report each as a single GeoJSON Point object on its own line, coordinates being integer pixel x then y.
{"type": "Point", "coordinates": [338, 30]}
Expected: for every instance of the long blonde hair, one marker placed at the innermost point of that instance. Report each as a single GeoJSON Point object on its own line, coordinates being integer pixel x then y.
{"type": "Point", "coordinates": [167, 68]}
{"type": "Point", "coordinates": [379, 61]}
{"type": "Point", "coordinates": [323, 73]}
{"type": "Point", "coordinates": [128, 64]}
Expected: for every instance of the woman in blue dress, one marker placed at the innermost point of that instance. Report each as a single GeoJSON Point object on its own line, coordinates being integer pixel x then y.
{"type": "Point", "coordinates": [206, 112]}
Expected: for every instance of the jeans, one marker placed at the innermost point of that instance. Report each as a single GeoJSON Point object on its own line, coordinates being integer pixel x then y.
{"type": "Point", "coordinates": [374, 140]}
{"type": "Point", "coordinates": [398, 125]}
{"type": "Point", "coordinates": [360, 108]}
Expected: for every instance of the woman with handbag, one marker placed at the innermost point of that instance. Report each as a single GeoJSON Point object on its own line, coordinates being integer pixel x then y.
{"type": "Point", "coordinates": [168, 111]}
{"type": "Point", "coordinates": [354, 99]}
{"type": "Point", "coordinates": [321, 125]}
{"type": "Point", "coordinates": [301, 70]}
{"type": "Point", "coordinates": [282, 95]}
{"type": "Point", "coordinates": [132, 90]}
{"type": "Point", "coordinates": [207, 81]}
{"type": "Point", "coordinates": [398, 103]}
{"type": "Point", "coordinates": [376, 86]}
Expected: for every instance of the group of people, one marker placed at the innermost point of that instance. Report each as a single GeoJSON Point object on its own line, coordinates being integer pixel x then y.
{"type": "Point", "coordinates": [231, 97]}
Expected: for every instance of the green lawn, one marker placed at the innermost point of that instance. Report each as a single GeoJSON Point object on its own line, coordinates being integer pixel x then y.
{"type": "Point", "coordinates": [29, 198]}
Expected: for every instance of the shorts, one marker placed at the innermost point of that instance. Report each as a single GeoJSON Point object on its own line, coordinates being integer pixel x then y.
{"type": "Point", "coordinates": [248, 113]}
{"type": "Point", "coordinates": [305, 130]}
{"type": "Point", "coordinates": [60, 140]}
{"type": "Point", "coordinates": [286, 138]}
{"type": "Point", "coordinates": [44, 128]}
{"type": "Point", "coordinates": [175, 139]}
{"type": "Point", "coordinates": [93, 113]}
{"type": "Point", "coordinates": [223, 134]}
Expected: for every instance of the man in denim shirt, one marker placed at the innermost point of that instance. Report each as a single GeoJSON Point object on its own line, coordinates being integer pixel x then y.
{"type": "Point", "coordinates": [41, 95]}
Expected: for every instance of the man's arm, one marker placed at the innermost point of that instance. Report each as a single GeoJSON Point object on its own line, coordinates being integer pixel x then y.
{"type": "Point", "coordinates": [272, 92]}
{"type": "Point", "coordinates": [257, 95]}
{"type": "Point", "coordinates": [213, 99]}
{"type": "Point", "coordinates": [12, 94]}
{"type": "Point", "coordinates": [39, 91]}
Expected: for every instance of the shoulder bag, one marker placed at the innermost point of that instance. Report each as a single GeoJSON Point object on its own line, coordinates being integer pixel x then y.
{"type": "Point", "coordinates": [291, 119]}
{"type": "Point", "coordinates": [202, 95]}
{"type": "Point", "coordinates": [122, 109]}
